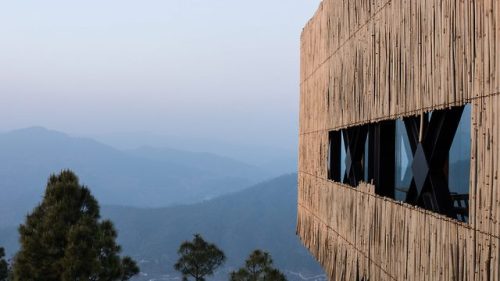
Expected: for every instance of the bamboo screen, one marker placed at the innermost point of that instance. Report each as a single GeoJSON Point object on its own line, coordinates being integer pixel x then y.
{"type": "Point", "coordinates": [366, 61]}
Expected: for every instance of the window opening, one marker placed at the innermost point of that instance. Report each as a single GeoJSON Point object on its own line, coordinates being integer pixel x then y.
{"type": "Point", "coordinates": [420, 160]}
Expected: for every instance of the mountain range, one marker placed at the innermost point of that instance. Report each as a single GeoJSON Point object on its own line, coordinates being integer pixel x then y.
{"type": "Point", "coordinates": [143, 177]}
{"type": "Point", "coordinates": [159, 197]}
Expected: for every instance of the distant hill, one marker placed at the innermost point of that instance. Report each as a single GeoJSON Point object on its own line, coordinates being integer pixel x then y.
{"type": "Point", "coordinates": [142, 178]}
{"type": "Point", "coordinates": [263, 216]}
{"type": "Point", "coordinates": [200, 161]}
{"type": "Point", "coordinates": [277, 159]}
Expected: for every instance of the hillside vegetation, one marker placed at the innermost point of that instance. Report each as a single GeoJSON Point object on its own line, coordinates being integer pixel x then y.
{"type": "Point", "coordinates": [260, 217]}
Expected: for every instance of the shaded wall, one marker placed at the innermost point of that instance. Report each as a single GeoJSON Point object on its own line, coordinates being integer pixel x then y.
{"type": "Point", "coordinates": [367, 61]}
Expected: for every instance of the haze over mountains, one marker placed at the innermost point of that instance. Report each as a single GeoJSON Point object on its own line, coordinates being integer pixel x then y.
{"type": "Point", "coordinates": [275, 158]}
{"type": "Point", "coordinates": [145, 177]}
{"type": "Point", "coordinates": [129, 183]}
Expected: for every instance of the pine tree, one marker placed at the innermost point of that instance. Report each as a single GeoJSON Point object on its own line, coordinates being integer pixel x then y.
{"type": "Point", "coordinates": [4, 266]}
{"type": "Point", "coordinates": [258, 267]}
{"type": "Point", "coordinates": [198, 259]}
{"type": "Point", "coordinates": [129, 269]}
{"type": "Point", "coordinates": [64, 239]}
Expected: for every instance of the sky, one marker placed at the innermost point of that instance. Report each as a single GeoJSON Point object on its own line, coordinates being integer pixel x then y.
{"type": "Point", "coordinates": [220, 69]}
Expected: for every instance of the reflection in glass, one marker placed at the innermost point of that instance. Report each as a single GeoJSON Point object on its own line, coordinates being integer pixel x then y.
{"type": "Point", "coordinates": [404, 159]}
{"type": "Point", "coordinates": [459, 165]}
{"type": "Point", "coordinates": [459, 159]}
{"type": "Point", "coordinates": [342, 158]}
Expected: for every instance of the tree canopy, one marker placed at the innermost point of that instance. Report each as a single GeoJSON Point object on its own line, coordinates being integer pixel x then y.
{"type": "Point", "coordinates": [258, 267]}
{"type": "Point", "coordinates": [65, 239]}
{"type": "Point", "coordinates": [198, 259]}
{"type": "Point", "coordinates": [4, 266]}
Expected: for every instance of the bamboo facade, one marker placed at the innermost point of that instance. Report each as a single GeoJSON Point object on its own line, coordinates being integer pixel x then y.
{"type": "Point", "coordinates": [366, 61]}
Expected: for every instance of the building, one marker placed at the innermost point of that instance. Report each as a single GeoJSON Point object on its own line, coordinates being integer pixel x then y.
{"type": "Point", "coordinates": [400, 139]}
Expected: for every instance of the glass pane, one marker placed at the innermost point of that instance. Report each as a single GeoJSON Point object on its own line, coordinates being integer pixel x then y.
{"type": "Point", "coordinates": [404, 159]}
{"type": "Point", "coordinates": [459, 161]}
{"type": "Point", "coordinates": [342, 158]}
{"type": "Point", "coordinates": [365, 161]}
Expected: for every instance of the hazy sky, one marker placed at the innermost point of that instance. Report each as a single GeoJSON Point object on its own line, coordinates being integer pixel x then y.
{"type": "Point", "coordinates": [220, 69]}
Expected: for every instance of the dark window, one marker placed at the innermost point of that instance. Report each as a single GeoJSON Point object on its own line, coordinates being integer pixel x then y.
{"type": "Point", "coordinates": [366, 158]}
{"type": "Point", "coordinates": [334, 156]}
{"type": "Point", "coordinates": [346, 157]}
{"type": "Point", "coordinates": [422, 160]}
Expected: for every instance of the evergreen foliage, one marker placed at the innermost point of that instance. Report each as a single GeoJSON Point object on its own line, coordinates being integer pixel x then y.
{"type": "Point", "coordinates": [198, 259]}
{"type": "Point", "coordinates": [258, 267]}
{"type": "Point", "coordinates": [64, 238]}
{"type": "Point", "coordinates": [4, 266]}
